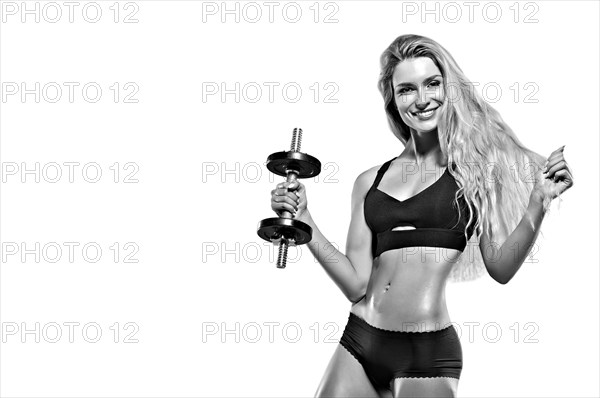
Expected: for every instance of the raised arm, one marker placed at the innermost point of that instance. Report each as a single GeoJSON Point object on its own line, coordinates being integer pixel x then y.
{"type": "Point", "coordinates": [504, 256]}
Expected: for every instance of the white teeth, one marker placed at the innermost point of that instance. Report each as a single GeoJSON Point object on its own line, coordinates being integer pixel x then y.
{"type": "Point", "coordinates": [428, 113]}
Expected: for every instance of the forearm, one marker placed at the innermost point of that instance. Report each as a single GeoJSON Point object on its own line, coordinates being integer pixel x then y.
{"type": "Point", "coordinates": [516, 248]}
{"type": "Point", "coordinates": [335, 263]}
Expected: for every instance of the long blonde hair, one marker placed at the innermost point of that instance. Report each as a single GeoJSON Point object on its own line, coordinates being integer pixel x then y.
{"type": "Point", "coordinates": [495, 172]}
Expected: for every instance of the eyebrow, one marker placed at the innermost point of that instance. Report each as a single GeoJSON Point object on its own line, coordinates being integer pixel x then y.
{"type": "Point", "coordinates": [427, 79]}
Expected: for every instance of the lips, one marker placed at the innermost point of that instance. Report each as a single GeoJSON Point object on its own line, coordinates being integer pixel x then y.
{"type": "Point", "coordinates": [428, 112]}
{"type": "Point", "coordinates": [424, 114]}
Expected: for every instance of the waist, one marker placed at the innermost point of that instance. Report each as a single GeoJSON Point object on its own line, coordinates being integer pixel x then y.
{"type": "Point", "coordinates": [401, 315]}
{"type": "Point", "coordinates": [392, 323]}
{"type": "Point", "coordinates": [438, 330]}
{"type": "Point", "coordinates": [407, 288]}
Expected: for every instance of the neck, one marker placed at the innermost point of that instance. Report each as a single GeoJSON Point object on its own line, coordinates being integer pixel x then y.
{"type": "Point", "coordinates": [423, 148]}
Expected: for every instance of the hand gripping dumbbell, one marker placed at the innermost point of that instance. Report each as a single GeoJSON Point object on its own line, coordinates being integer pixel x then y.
{"type": "Point", "coordinates": [284, 230]}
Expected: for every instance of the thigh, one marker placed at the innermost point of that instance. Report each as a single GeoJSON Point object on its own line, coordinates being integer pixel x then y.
{"type": "Point", "coordinates": [435, 387]}
{"type": "Point", "coordinates": [345, 377]}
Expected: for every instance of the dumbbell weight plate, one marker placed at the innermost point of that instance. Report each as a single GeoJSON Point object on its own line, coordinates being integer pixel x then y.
{"type": "Point", "coordinates": [307, 166]}
{"type": "Point", "coordinates": [275, 228]}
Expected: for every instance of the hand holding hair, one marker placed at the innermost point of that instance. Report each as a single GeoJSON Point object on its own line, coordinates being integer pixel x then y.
{"type": "Point", "coordinates": [556, 177]}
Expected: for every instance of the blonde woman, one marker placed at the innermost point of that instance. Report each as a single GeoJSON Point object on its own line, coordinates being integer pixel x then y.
{"type": "Point", "coordinates": [463, 176]}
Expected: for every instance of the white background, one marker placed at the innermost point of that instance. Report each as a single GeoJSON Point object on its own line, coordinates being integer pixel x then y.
{"type": "Point", "coordinates": [202, 188]}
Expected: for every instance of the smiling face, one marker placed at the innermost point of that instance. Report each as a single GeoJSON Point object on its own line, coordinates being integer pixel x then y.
{"type": "Point", "coordinates": [418, 92]}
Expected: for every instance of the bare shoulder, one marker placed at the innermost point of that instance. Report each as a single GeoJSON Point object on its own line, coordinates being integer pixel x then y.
{"type": "Point", "coordinates": [365, 180]}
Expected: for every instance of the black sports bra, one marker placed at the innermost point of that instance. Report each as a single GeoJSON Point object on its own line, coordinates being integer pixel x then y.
{"type": "Point", "coordinates": [432, 212]}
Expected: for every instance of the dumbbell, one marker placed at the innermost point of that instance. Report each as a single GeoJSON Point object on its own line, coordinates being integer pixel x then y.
{"type": "Point", "coordinates": [284, 230]}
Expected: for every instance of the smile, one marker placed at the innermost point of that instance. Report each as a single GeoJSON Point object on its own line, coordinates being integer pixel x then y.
{"type": "Point", "coordinates": [424, 114]}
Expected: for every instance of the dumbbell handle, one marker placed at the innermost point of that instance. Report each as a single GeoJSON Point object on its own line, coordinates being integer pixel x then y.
{"type": "Point", "coordinates": [292, 176]}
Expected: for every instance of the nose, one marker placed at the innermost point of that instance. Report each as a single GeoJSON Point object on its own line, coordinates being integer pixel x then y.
{"type": "Point", "coordinates": [422, 101]}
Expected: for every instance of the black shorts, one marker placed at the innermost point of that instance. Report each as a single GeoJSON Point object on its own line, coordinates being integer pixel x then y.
{"type": "Point", "coordinates": [387, 354]}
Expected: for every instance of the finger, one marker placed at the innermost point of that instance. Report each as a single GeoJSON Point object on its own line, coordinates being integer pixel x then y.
{"type": "Point", "coordinates": [287, 184]}
{"type": "Point", "coordinates": [553, 159]}
{"type": "Point", "coordinates": [565, 175]}
{"type": "Point", "coordinates": [556, 159]}
{"type": "Point", "coordinates": [562, 174]}
{"type": "Point", "coordinates": [279, 191]}
{"type": "Point", "coordinates": [285, 192]}
{"type": "Point", "coordinates": [280, 195]}
{"type": "Point", "coordinates": [556, 152]}
{"type": "Point", "coordinates": [292, 185]}
{"type": "Point", "coordinates": [279, 207]}
{"type": "Point", "coordinates": [285, 200]}
{"type": "Point", "coordinates": [554, 168]}
{"type": "Point", "coordinates": [300, 189]}
{"type": "Point", "coordinates": [293, 196]}
{"type": "Point", "coordinates": [282, 188]}
{"type": "Point", "coordinates": [554, 156]}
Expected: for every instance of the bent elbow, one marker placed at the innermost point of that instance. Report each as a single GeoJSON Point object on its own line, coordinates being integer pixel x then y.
{"type": "Point", "coordinates": [358, 295]}
{"type": "Point", "coordinates": [355, 299]}
{"type": "Point", "coordinates": [503, 280]}
{"type": "Point", "coordinates": [496, 273]}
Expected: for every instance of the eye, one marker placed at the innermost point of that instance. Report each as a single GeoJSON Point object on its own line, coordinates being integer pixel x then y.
{"type": "Point", "coordinates": [434, 83]}
{"type": "Point", "coordinates": [402, 90]}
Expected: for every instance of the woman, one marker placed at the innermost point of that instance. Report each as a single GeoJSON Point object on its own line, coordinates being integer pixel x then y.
{"type": "Point", "coordinates": [462, 174]}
